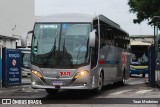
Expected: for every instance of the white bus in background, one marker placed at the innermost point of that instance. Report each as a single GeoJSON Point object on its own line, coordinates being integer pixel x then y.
{"type": "Point", "coordinates": [25, 62]}
{"type": "Point", "coordinates": [78, 51]}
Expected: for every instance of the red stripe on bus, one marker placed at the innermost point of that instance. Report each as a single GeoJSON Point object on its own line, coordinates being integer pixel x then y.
{"type": "Point", "coordinates": [102, 62]}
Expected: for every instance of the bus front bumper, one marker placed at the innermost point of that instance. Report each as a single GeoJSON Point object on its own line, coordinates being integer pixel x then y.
{"type": "Point", "coordinates": [69, 83]}
{"type": "Point", "coordinates": [61, 87]}
{"type": "Point", "coordinates": [139, 71]}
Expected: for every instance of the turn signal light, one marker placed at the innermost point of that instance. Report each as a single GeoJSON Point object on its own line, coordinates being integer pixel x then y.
{"type": "Point", "coordinates": [36, 73]}
{"type": "Point", "coordinates": [81, 73]}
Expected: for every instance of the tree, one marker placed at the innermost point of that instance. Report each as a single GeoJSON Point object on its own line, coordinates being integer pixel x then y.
{"type": "Point", "coordinates": [144, 9]}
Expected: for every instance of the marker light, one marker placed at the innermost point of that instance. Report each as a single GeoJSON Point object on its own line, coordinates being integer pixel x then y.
{"type": "Point", "coordinates": [36, 73]}
{"type": "Point", "coordinates": [81, 73]}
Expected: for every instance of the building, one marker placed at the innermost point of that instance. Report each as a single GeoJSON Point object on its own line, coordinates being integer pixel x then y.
{"type": "Point", "coordinates": [143, 38]}
{"type": "Point", "coordinates": [9, 42]}
{"type": "Point", "coordinates": [17, 17]}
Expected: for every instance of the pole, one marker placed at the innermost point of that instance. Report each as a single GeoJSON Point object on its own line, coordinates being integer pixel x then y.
{"type": "Point", "coordinates": [156, 40]}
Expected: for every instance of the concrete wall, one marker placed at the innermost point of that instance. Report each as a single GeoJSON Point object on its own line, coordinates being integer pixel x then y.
{"type": "Point", "coordinates": [9, 43]}
{"type": "Point", "coordinates": [16, 17]}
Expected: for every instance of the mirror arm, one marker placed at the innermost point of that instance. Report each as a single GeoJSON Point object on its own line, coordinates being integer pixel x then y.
{"type": "Point", "coordinates": [30, 32]}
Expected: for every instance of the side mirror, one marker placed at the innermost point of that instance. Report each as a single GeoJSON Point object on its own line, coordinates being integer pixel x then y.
{"type": "Point", "coordinates": [92, 38]}
{"type": "Point", "coordinates": [24, 38]}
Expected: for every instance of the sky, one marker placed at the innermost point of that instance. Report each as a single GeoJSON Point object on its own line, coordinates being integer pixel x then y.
{"type": "Point", "coordinates": [116, 10]}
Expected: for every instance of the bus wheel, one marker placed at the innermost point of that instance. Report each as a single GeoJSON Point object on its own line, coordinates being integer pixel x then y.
{"type": "Point", "coordinates": [52, 91]}
{"type": "Point", "coordinates": [130, 75]}
{"type": "Point", "coordinates": [100, 84]}
{"type": "Point", "coordinates": [143, 75]}
{"type": "Point", "coordinates": [122, 82]}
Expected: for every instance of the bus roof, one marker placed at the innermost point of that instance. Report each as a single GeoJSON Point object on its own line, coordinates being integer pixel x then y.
{"type": "Point", "coordinates": [67, 17]}
{"type": "Point", "coordinates": [139, 43]}
{"type": "Point", "coordinates": [78, 17]}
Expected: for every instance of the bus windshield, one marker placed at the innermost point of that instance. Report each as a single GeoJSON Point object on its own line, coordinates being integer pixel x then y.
{"type": "Point", "coordinates": [60, 45]}
{"type": "Point", "coordinates": [139, 55]}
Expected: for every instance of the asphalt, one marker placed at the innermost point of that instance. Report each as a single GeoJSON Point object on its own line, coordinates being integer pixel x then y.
{"type": "Point", "coordinates": [25, 80]}
{"type": "Point", "coordinates": [136, 87]}
{"type": "Point", "coordinates": [25, 83]}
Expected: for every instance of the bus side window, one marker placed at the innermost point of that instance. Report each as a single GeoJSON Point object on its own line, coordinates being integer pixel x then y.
{"type": "Point", "coordinates": [128, 46]}
{"type": "Point", "coordinates": [110, 36]}
{"type": "Point", "coordinates": [102, 37]}
{"type": "Point", "coordinates": [120, 40]}
{"type": "Point", "coordinates": [116, 39]}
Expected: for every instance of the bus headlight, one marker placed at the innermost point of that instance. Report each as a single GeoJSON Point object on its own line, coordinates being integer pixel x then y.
{"type": "Point", "coordinates": [81, 73]}
{"type": "Point", "coordinates": [36, 73]}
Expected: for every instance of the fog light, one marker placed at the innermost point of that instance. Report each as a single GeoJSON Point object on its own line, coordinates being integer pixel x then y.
{"type": "Point", "coordinates": [33, 83]}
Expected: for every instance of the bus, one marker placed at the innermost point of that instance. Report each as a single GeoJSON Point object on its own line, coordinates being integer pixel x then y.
{"type": "Point", "coordinates": [139, 58]}
{"type": "Point", "coordinates": [102, 56]}
{"type": "Point", "coordinates": [25, 61]}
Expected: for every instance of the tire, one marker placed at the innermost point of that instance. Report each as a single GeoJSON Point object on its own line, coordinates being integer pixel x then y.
{"type": "Point", "coordinates": [122, 82]}
{"type": "Point", "coordinates": [143, 75]}
{"type": "Point", "coordinates": [130, 75]}
{"type": "Point", "coordinates": [100, 84]}
{"type": "Point", "coordinates": [52, 91]}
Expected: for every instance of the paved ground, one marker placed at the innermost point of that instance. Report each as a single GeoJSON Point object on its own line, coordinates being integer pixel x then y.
{"type": "Point", "coordinates": [26, 80]}
{"type": "Point", "coordinates": [135, 87]}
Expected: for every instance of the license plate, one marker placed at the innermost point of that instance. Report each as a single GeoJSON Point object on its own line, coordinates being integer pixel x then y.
{"type": "Point", "coordinates": [57, 83]}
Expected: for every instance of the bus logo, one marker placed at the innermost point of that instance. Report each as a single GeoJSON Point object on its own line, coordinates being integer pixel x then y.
{"type": "Point", "coordinates": [64, 73]}
{"type": "Point", "coordinates": [14, 62]}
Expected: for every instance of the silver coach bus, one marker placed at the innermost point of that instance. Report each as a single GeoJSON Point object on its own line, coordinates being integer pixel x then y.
{"type": "Point", "coordinates": [78, 51]}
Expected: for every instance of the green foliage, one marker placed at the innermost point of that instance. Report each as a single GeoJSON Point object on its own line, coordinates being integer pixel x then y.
{"type": "Point", "coordinates": [144, 9]}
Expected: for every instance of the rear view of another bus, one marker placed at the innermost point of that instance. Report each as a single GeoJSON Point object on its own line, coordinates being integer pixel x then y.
{"type": "Point", "coordinates": [25, 61]}
{"type": "Point", "coordinates": [139, 58]}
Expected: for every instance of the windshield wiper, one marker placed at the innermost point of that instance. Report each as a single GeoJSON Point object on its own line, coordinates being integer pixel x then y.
{"type": "Point", "coordinates": [52, 52]}
{"type": "Point", "coordinates": [64, 48]}
{"type": "Point", "coordinates": [78, 54]}
{"type": "Point", "coordinates": [87, 51]}
{"type": "Point", "coordinates": [65, 51]}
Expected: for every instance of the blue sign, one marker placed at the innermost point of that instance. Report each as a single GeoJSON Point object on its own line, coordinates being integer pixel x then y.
{"type": "Point", "coordinates": [13, 67]}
